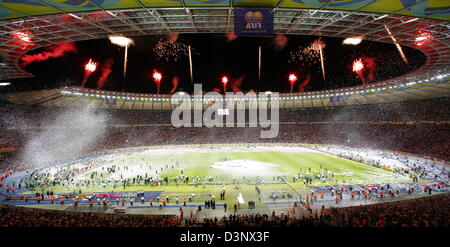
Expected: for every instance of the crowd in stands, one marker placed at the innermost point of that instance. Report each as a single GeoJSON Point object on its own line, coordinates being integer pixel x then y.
{"type": "Point", "coordinates": [432, 211]}
{"type": "Point", "coordinates": [415, 127]}
{"type": "Point", "coordinates": [406, 127]}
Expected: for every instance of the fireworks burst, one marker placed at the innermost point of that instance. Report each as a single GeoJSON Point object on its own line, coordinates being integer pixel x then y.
{"type": "Point", "coordinates": [358, 67]}
{"type": "Point", "coordinates": [90, 66]}
{"type": "Point", "coordinates": [318, 45]}
{"type": "Point", "coordinates": [352, 41]}
{"type": "Point", "coordinates": [224, 83]}
{"type": "Point", "coordinates": [122, 42]}
{"type": "Point", "coordinates": [399, 48]}
{"type": "Point", "coordinates": [308, 55]}
{"type": "Point", "coordinates": [170, 51]}
{"type": "Point", "coordinates": [304, 56]}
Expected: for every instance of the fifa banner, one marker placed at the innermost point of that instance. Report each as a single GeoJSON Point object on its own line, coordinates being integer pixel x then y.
{"type": "Point", "coordinates": [253, 21]}
{"type": "Point", "coordinates": [110, 101]}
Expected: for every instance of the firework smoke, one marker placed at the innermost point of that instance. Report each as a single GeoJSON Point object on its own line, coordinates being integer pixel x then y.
{"type": "Point", "coordinates": [369, 64]}
{"type": "Point", "coordinates": [106, 70]}
{"type": "Point", "coordinates": [89, 68]}
{"type": "Point", "coordinates": [70, 135]}
{"type": "Point", "coordinates": [230, 36]}
{"type": "Point", "coordinates": [175, 81]}
{"type": "Point", "coordinates": [172, 37]}
{"type": "Point", "coordinates": [305, 82]}
{"type": "Point", "coordinates": [52, 52]}
{"type": "Point", "coordinates": [280, 41]}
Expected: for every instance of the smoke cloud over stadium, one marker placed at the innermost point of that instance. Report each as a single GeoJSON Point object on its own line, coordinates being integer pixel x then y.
{"type": "Point", "coordinates": [70, 134]}
{"type": "Point", "coordinates": [52, 52]}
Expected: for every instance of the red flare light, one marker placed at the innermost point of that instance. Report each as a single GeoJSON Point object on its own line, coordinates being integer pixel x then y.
{"type": "Point", "coordinates": [358, 65]}
{"type": "Point", "coordinates": [157, 76]}
{"type": "Point", "coordinates": [292, 78]}
{"type": "Point", "coordinates": [23, 38]}
{"type": "Point", "coordinates": [90, 66]}
{"type": "Point", "coordinates": [423, 38]}
{"type": "Point", "coordinates": [224, 80]}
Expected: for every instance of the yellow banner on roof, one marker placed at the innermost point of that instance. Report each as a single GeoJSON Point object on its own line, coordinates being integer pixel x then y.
{"type": "Point", "coordinates": [435, 9]}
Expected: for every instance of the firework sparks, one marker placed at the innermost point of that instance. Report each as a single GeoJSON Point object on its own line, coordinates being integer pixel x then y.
{"type": "Point", "coordinates": [352, 41]}
{"type": "Point", "coordinates": [310, 55]}
{"type": "Point", "coordinates": [319, 45]}
{"type": "Point", "coordinates": [304, 56]}
{"type": "Point", "coordinates": [89, 68]}
{"type": "Point", "coordinates": [170, 51]}
{"type": "Point", "coordinates": [423, 38]}
{"type": "Point", "coordinates": [292, 79]}
{"type": "Point", "coordinates": [358, 67]}
{"type": "Point", "coordinates": [157, 76]}
{"type": "Point", "coordinates": [224, 83]}
{"type": "Point", "coordinates": [105, 71]}
{"type": "Point", "coordinates": [259, 64]}
{"type": "Point", "coordinates": [122, 42]}
{"type": "Point", "coordinates": [399, 48]}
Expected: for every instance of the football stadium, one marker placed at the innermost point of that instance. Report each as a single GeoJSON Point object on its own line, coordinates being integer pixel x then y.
{"type": "Point", "coordinates": [225, 113]}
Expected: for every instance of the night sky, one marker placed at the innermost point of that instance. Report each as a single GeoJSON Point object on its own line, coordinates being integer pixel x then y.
{"type": "Point", "coordinates": [215, 56]}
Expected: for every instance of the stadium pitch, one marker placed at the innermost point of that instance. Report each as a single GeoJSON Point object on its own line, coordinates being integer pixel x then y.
{"type": "Point", "coordinates": [197, 172]}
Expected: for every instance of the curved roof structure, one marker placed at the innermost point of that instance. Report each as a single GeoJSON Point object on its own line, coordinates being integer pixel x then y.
{"type": "Point", "coordinates": [423, 24]}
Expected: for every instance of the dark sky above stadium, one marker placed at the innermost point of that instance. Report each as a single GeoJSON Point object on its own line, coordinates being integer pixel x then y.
{"type": "Point", "coordinates": [214, 56]}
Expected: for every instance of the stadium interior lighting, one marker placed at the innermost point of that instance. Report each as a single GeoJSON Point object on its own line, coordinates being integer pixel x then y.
{"type": "Point", "coordinates": [352, 41]}
{"type": "Point", "coordinates": [4, 84]}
